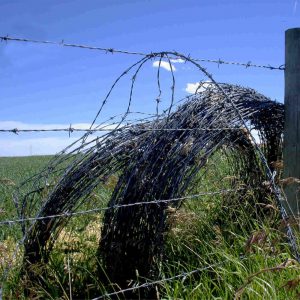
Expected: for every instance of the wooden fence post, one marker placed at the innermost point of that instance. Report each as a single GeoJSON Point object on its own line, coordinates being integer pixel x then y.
{"type": "Point", "coordinates": [291, 150]}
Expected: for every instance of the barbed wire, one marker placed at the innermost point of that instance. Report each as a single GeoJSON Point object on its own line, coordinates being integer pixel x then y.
{"type": "Point", "coordinates": [62, 43]}
{"type": "Point", "coordinates": [182, 275]}
{"type": "Point", "coordinates": [78, 213]}
{"type": "Point", "coordinates": [247, 65]}
{"type": "Point", "coordinates": [71, 129]}
{"type": "Point", "coordinates": [112, 51]}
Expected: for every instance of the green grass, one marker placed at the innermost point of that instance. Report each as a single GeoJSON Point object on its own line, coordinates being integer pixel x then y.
{"type": "Point", "coordinates": [250, 257]}
{"type": "Point", "coordinates": [13, 171]}
{"type": "Point", "coordinates": [205, 241]}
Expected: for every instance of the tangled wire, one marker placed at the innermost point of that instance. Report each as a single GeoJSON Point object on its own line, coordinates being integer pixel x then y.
{"type": "Point", "coordinates": [155, 158]}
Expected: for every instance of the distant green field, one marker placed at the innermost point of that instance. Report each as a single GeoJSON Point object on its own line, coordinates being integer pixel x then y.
{"type": "Point", "coordinates": [18, 169]}
{"type": "Point", "coordinates": [13, 171]}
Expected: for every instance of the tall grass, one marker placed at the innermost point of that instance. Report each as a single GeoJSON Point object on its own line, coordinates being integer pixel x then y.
{"type": "Point", "coordinates": [249, 257]}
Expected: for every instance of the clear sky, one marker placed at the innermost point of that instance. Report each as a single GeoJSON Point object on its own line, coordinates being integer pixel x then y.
{"type": "Point", "coordinates": [50, 86]}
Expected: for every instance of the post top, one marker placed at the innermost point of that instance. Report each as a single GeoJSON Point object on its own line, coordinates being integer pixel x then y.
{"type": "Point", "coordinates": [293, 29]}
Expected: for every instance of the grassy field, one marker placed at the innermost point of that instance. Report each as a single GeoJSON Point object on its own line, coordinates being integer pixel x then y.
{"type": "Point", "coordinates": [240, 256]}
{"type": "Point", "coordinates": [13, 171]}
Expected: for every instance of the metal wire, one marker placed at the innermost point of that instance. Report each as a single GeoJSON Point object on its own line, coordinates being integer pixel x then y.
{"type": "Point", "coordinates": [112, 51]}
{"type": "Point", "coordinates": [71, 129]}
{"type": "Point", "coordinates": [94, 210]}
{"type": "Point", "coordinates": [183, 275]}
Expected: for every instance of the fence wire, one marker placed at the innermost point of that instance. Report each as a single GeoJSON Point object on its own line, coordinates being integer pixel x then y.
{"type": "Point", "coordinates": [71, 129]}
{"type": "Point", "coordinates": [112, 51]}
{"type": "Point", "coordinates": [153, 202]}
{"type": "Point", "coordinates": [182, 276]}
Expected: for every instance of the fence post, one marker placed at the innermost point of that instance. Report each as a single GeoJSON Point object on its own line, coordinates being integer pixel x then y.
{"type": "Point", "coordinates": [291, 150]}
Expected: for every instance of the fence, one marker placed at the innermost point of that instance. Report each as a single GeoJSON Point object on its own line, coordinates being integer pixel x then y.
{"type": "Point", "coordinates": [158, 159]}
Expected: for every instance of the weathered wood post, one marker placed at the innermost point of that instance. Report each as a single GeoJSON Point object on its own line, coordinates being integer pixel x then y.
{"type": "Point", "coordinates": [291, 151]}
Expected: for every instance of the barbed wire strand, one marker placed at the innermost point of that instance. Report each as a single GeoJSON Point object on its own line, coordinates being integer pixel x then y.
{"type": "Point", "coordinates": [182, 275]}
{"type": "Point", "coordinates": [72, 129]}
{"type": "Point", "coordinates": [112, 51]}
{"type": "Point", "coordinates": [188, 197]}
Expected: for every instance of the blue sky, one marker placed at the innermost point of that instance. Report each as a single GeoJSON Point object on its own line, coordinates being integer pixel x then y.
{"type": "Point", "coordinates": [48, 86]}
